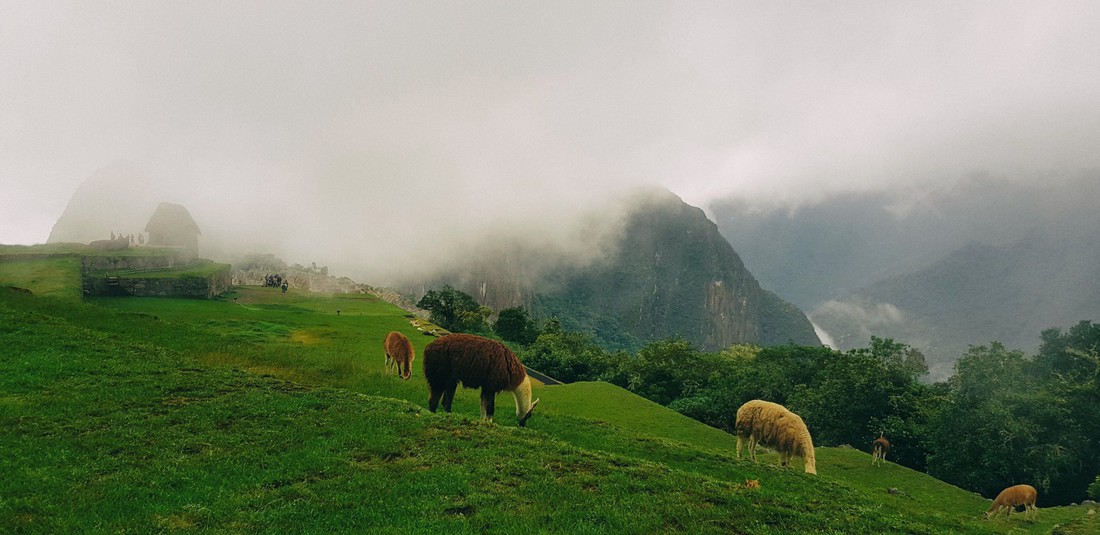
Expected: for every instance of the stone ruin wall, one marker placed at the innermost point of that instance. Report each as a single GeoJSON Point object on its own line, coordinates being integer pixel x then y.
{"type": "Point", "coordinates": [194, 287]}
{"type": "Point", "coordinates": [136, 263]}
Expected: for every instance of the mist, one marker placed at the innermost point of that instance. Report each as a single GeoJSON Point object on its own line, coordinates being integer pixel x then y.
{"type": "Point", "coordinates": [384, 138]}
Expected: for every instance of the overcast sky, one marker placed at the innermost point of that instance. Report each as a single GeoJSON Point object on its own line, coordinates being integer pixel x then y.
{"type": "Point", "coordinates": [445, 118]}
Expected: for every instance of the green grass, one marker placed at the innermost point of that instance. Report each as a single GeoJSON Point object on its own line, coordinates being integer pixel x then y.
{"type": "Point", "coordinates": [49, 277]}
{"type": "Point", "coordinates": [624, 409]}
{"type": "Point", "coordinates": [270, 412]}
{"type": "Point", "coordinates": [202, 270]}
{"type": "Point", "coordinates": [80, 249]}
{"type": "Point", "coordinates": [50, 249]}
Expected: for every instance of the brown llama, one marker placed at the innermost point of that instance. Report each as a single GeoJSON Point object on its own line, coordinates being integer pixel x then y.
{"type": "Point", "coordinates": [1012, 497]}
{"type": "Point", "coordinates": [399, 354]}
{"type": "Point", "coordinates": [476, 362]}
{"type": "Point", "coordinates": [771, 424]}
{"type": "Point", "coordinates": [879, 448]}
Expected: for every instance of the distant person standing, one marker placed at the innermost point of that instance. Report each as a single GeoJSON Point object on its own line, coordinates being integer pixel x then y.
{"type": "Point", "coordinates": [285, 286]}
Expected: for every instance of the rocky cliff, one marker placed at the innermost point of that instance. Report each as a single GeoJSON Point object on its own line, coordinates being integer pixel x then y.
{"type": "Point", "coordinates": [668, 272]}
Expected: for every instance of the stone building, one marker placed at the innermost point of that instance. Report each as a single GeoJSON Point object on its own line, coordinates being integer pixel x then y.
{"type": "Point", "coordinates": [171, 225]}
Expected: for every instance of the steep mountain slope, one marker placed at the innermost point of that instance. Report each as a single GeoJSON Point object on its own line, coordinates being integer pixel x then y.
{"type": "Point", "coordinates": [985, 260]}
{"type": "Point", "coordinates": [667, 272]}
{"type": "Point", "coordinates": [116, 198]}
{"type": "Point", "coordinates": [975, 295]}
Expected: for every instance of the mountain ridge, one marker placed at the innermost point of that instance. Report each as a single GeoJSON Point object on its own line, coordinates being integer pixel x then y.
{"type": "Point", "coordinates": [667, 272]}
{"type": "Point", "coordinates": [985, 260]}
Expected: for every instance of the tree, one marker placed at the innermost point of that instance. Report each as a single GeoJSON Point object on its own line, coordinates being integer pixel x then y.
{"type": "Point", "coordinates": [1000, 425]}
{"type": "Point", "coordinates": [570, 356]}
{"type": "Point", "coordinates": [851, 392]}
{"type": "Point", "coordinates": [455, 311]}
{"type": "Point", "coordinates": [552, 326]}
{"type": "Point", "coordinates": [1068, 366]}
{"type": "Point", "coordinates": [514, 325]}
{"type": "Point", "coordinates": [1071, 355]}
{"type": "Point", "coordinates": [666, 370]}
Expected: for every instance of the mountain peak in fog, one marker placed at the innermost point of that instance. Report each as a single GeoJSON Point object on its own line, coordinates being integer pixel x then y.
{"type": "Point", "coordinates": [117, 198]}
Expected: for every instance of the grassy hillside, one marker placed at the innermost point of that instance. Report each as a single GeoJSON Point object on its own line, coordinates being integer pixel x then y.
{"type": "Point", "coordinates": [56, 277]}
{"type": "Point", "coordinates": [272, 412]}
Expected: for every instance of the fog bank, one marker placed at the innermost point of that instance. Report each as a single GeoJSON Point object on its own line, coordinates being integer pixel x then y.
{"type": "Point", "coordinates": [374, 136]}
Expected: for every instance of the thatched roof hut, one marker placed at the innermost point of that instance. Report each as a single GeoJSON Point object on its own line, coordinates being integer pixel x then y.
{"type": "Point", "coordinates": [172, 225]}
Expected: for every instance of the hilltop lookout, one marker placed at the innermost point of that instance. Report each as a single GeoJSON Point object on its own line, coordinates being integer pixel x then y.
{"type": "Point", "coordinates": [171, 225]}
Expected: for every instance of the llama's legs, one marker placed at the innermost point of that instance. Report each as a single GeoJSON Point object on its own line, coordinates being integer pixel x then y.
{"type": "Point", "coordinates": [488, 404]}
{"type": "Point", "coordinates": [433, 397]}
{"type": "Point", "coordinates": [738, 447]}
{"type": "Point", "coordinates": [449, 396]}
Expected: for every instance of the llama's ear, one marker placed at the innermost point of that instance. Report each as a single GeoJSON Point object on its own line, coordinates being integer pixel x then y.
{"type": "Point", "coordinates": [523, 421]}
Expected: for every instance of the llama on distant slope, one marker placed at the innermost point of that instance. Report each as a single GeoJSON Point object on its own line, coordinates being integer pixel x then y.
{"type": "Point", "coordinates": [879, 448]}
{"type": "Point", "coordinates": [476, 362]}
{"type": "Point", "coordinates": [771, 424]}
{"type": "Point", "coordinates": [399, 354]}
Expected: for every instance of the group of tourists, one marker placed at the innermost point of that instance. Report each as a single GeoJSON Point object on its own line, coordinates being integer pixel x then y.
{"type": "Point", "coordinates": [276, 281]}
{"type": "Point", "coordinates": [139, 240]}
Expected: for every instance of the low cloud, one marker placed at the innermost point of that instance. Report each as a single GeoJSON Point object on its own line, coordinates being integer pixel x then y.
{"type": "Point", "coordinates": [371, 135]}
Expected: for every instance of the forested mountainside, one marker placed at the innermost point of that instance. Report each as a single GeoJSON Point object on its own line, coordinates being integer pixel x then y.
{"type": "Point", "coordinates": [668, 272]}
{"type": "Point", "coordinates": [985, 260]}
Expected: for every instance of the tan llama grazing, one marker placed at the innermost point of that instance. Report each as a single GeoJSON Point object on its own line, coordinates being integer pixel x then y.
{"type": "Point", "coordinates": [879, 448]}
{"type": "Point", "coordinates": [476, 362]}
{"type": "Point", "coordinates": [772, 425]}
{"type": "Point", "coordinates": [399, 354]}
{"type": "Point", "coordinates": [1013, 497]}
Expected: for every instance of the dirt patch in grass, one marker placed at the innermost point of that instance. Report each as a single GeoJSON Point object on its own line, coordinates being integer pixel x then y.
{"type": "Point", "coordinates": [304, 337]}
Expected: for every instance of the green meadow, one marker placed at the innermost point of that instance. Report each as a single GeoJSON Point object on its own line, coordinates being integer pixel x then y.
{"type": "Point", "coordinates": [269, 412]}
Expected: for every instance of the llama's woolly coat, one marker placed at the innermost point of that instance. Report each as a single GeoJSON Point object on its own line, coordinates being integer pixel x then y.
{"type": "Point", "coordinates": [474, 361]}
{"type": "Point", "coordinates": [879, 448]}
{"type": "Point", "coordinates": [772, 425]}
{"type": "Point", "coordinates": [400, 350]}
{"type": "Point", "coordinates": [1014, 496]}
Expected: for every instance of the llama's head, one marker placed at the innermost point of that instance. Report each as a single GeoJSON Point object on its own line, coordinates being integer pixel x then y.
{"type": "Point", "coordinates": [811, 464]}
{"type": "Point", "coordinates": [406, 367]}
{"type": "Point", "coordinates": [806, 447]}
{"type": "Point", "coordinates": [524, 405]}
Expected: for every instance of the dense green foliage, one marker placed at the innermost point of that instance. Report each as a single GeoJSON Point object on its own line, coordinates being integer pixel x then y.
{"type": "Point", "coordinates": [455, 311]}
{"type": "Point", "coordinates": [1013, 418]}
{"type": "Point", "coordinates": [514, 325]}
{"type": "Point", "coordinates": [1001, 419]}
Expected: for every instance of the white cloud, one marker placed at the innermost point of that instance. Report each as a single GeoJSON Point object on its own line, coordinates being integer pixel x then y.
{"type": "Point", "coordinates": [358, 129]}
